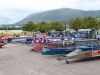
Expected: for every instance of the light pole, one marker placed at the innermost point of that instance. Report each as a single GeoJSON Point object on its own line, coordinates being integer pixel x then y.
{"type": "Point", "coordinates": [65, 27]}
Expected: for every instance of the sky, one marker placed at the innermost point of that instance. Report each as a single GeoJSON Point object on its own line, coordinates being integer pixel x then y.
{"type": "Point", "coordinates": [12, 11]}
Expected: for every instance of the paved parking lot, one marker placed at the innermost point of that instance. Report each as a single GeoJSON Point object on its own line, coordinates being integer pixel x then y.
{"type": "Point", "coordinates": [15, 59]}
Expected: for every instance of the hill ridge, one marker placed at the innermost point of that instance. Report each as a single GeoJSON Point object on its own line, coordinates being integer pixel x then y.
{"type": "Point", "coordinates": [59, 14]}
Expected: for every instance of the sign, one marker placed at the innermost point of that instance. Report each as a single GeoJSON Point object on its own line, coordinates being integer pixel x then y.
{"type": "Point", "coordinates": [92, 53]}
{"type": "Point", "coordinates": [95, 53]}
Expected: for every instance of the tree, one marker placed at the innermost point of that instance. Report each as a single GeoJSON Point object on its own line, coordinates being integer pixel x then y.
{"type": "Point", "coordinates": [56, 25]}
{"type": "Point", "coordinates": [75, 23]}
{"type": "Point", "coordinates": [42, 26]}
{"type": "Point", "coordinates": [5, 27]}
{"type": "Point", "coordinates": [89, 22]}
{"type": "Point", "coordinates": [28, 26]}
{"type": "Point", "coordinates": [98, 23]}
{"type": "Point", "coordinates": [13, 26]}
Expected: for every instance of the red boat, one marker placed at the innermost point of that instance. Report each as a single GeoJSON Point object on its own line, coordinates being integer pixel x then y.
{"type": "Point", "coordinates": [2, 44]}
{"type": "Point", "coordinates": [38, 46]}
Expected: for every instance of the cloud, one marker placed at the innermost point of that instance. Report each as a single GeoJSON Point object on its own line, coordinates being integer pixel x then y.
{"type": "Point", "coordinates": [12, 11]}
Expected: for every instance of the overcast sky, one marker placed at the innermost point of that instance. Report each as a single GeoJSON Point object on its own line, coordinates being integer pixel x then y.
{"type": "Point", "coordinates": [12, 11]}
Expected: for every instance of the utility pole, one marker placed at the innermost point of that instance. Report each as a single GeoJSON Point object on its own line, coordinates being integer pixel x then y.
{"type": "Point", "coordinates": [65, 27]}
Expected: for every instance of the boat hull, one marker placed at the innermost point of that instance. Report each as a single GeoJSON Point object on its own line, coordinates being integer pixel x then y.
{"type": "Point", "coordinates": [38, 46]}
{"type": "Point", "coordinates": [88, 47]}
{"type": "Point", "coordinates": [53, 51]}
{"type": "Point", "coordinates": [2, 44]}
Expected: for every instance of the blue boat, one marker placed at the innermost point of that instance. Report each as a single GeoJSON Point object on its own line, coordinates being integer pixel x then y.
{"type": "Point", "coordinates": [88, 47]}
{"type": "Point", "coordinates": [29, 40]}
{"type": "Point", "coordinates": [53, 51]}
{"type": "Point", "coordinates": [63, 50]}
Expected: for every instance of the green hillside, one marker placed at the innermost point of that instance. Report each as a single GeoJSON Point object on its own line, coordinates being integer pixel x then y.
{"type": "Point", "coordinates": [63, 14]}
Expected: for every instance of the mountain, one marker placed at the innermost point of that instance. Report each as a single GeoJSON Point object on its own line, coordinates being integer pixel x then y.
{"type": "Point", "coordinates": [62, 14]}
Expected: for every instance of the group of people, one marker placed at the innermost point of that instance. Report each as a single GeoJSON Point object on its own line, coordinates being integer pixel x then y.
{"type": "Point", "coordinates": [43, 38]}
{"type": "Point", "coordinates": [40, 38]}
{"type": "Point", "coordinates": [84, 35]}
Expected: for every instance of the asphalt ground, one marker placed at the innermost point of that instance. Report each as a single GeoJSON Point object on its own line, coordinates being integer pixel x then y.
{"type": "Point", "coordinates": [15, 59]}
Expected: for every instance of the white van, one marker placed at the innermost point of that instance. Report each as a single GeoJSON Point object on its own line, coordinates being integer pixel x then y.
{"type": "Point", "coordinates": [98, 34]}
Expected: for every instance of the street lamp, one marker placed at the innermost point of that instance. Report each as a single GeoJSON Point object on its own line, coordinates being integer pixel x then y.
{"type": "Point", "coordinates": [65, 27]}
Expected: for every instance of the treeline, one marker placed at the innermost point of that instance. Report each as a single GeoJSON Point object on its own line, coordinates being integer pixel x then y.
{"type": "Point", "coordinates": [86, 22]}
{"type": "Point", "coordinates": [42, 26]}
{"type": "Point", "coordinates": [77, 23]}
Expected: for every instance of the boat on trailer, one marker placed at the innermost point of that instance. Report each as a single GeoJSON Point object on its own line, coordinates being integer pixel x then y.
{"type": "Point", "coordinates": [66, 49]}
{"type": "Point", "coordinates": [85, 51]}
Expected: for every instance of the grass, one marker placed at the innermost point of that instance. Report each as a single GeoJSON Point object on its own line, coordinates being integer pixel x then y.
{"type": "Point", "coordinates": [11, 33]}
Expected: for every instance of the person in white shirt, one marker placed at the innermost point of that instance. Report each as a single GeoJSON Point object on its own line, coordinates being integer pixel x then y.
{"type": "Point", "coordinates": [72, 40]}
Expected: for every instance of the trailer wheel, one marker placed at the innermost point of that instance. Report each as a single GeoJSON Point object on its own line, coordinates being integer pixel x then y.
{"type": "Point", "coordinates": [67, 62]}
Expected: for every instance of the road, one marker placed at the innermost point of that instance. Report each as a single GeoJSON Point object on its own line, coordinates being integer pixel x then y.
{"type": "Point", "coordinates": [15, 59]}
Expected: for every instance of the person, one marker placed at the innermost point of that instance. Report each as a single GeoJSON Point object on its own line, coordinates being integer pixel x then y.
{"type": "Point", "coordinates": [40, 36]}
{"type": "Point", "coordinates": [62, 37]}
{"type": "Point", "coordinates": [72, 41]}
{"type": "Point", "coordinates": [34, 38]}
{"type": "Point", "coordinates": [44, 38]}
{"type": "Point", "coordinates": [63, 40]}
{"type": "Point", "coordinates": [39, 39]}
